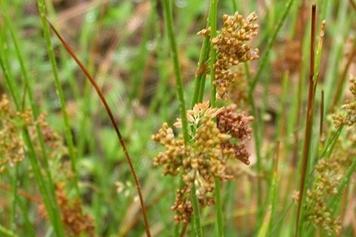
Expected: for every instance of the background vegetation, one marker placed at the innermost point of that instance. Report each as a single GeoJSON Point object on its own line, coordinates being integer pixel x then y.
{"type": "Point", "coordinates": [64, 172]}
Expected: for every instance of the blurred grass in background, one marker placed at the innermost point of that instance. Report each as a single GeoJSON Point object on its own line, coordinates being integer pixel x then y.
{"type": "Point", "coordinates": [125, 47]}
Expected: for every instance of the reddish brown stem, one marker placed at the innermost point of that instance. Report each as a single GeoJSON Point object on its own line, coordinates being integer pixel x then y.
{"type": "Point", "coordinates": [353, 4]}
{"type": "Point", "coordinates": [300, 31]}
{"type": "Point", "coordinates": [184, 229]}
{"type": "Point", "coordinates": [113, 121]}
{"type": "Point", "coordinates": [309, 119]}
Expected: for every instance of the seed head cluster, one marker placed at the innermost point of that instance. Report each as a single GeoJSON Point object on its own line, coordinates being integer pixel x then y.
{"type": "Point", "coordinates": [232, 50]}
{"type": "Point", "coordinates": [330, 171]}
{"type": "Point", "coordinates": [217, 135]}
{"type": "Point", "coordinates": [12, 148]}
{"type": "Point", "coordinates": [11, 145]}
{"type": "Point", "coordinates": [53, 141]}
{"type": "Point", "coordinates": [319, 215]}
{"type": "Point", "coordinates": [236, 125]}
{"type": "Point", "coordinates": [75, 222]}
{"type": "Point", "coordinates": [328, 175]}
{"type": "Point", "coordinates": [238, 89]}
{"type": "Point", "coordinates": [349, 118]}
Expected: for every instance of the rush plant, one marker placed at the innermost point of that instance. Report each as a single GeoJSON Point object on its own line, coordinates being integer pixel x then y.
{"type": "Point", "coordinates": [177, 118]}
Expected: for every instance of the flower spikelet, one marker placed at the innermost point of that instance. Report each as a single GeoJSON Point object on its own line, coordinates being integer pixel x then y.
{"type": "Point", "coordinates": [11, 145]}
{"type": "Point", "coordinates": [238, 89]}
{"type": "Point", "coordinates": [202, 160]}
{"type": "Point", "coordinates": [12, 123]}
{"type": "Point", "coordinates": [232, 50]}
{"type": "Point", "coordinates": [76, 223]}
{"type": "Point", "coordinates": [328, 175]}
{"type": "Point", "coordinates": [236, 125]}
{"type": "Point", "coordinates": [330, 171]}
{"type": "Point", "coordinates": [171, 159]}
{"type": "Point", "coordinates": [349, 118]}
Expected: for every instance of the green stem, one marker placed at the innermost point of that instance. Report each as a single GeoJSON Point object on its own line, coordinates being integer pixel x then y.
{"type": "Point", "coordinates": [344, 181]}
{"type": "Point", "coordinates": [257, 134]}
{"type": "Point", "coordinates": [304, 180]}
{"type": "Point", "coordinates": [44, 182]}
{"type": "Point", "coordinates": [196, 217]}
{"type": "Point", "coordinates": [180, 93]}
{"type": "Point", "coordinates": [200, 75]}
{"type": "Point", "coordinates": [234, 5]}
{"type": "Point", "coordinates": [213, 22]}
{"type": "Point", "coordinates": [177, 72]}
{"type": "Point", "coordinates": [274, 190]}
{"type": "Point", "coordinates": [113, 122]}
{"type": "Point", "coordinates": [219, 209]}
{"type": "Point", "coordinates": [14, 198]}
{"type": "Point", "coordinates": [6, 232]}
{"type": "Point", "coordinates": [4, 63]}
{"type": "Point", "coordinates": [68, 134]}
{"type": "Point", "coordinates": [28, 226]}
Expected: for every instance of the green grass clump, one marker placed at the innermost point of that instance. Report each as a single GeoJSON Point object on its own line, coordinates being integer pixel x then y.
{"type": "Point", "coordinates": [207, 118]}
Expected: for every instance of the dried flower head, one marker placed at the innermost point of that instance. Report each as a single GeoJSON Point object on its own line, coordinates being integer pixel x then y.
{"type": "Point", "coordinates": [320, 215]}
{"type": "Point", "coordinates": [236, 125]}
{"type": "Point", "coordinates": [52, 140]}
{"type": "Point", "coordinates": [75, 222]}
{"type": "Point", "coordinates": [328, 175]}
{"type": "Point", "coordinates": [12, 149]}
{"type": "Point", "coordinates": [232, 50]}
{"type": "Point", "coordinates": [205, 157]}
{"type": "Point", "coordinates": [238, 89]}
{"type": "Point", "coordinates": [349, 118]}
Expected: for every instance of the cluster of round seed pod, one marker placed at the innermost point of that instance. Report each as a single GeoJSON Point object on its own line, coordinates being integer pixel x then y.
{"type": "Point", "coordinates": [205, 157]}
{"type": "Point", "coordinates": [232, 49]}
{"type": "Point", "coordinates": [237, 126]}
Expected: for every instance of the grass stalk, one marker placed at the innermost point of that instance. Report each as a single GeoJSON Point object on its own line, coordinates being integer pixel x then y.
{"type": "Point", "coordinates": [115, 125]}
{"type": "Point", "coordinates": [12, 91]}
{"type": "Point", "coordinates": [48, 195]}
{"type": "Point", "coordinates": [4, 63]}
{"type": "Point", "coordinates": [200, 74]}
{"type": "Point", "coordinates": [45, 183]}
{"type": "Point", "coordinates": [67, 127]}
{"type": "Point", "coordinates": [321, 123]}
{"type": "Point", "coordinates": [257, 140]}
{"type": "Point", "coordinates": [159, 96]}
{"type": "Point", "coordinates": [274, 190]}
{"type": "Point", "coordinates": [180, 93]}
{"type": "Point", "coordinates": [179, 81]}
{"type": "Point", "coordinates": [7, 233]}
{"type": "Point", "coordinates": [213, 23]}
{"type": "Point", "coordinates": [256, 123]}
{"type": "Point", "coordinates": [14, 200]}
{"type": "Point", "coordinates": [308, 129]}
{"type": "Point", "coordinates": [16, 194]}
{"type": "Point", "coordinates": [291, 129]}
